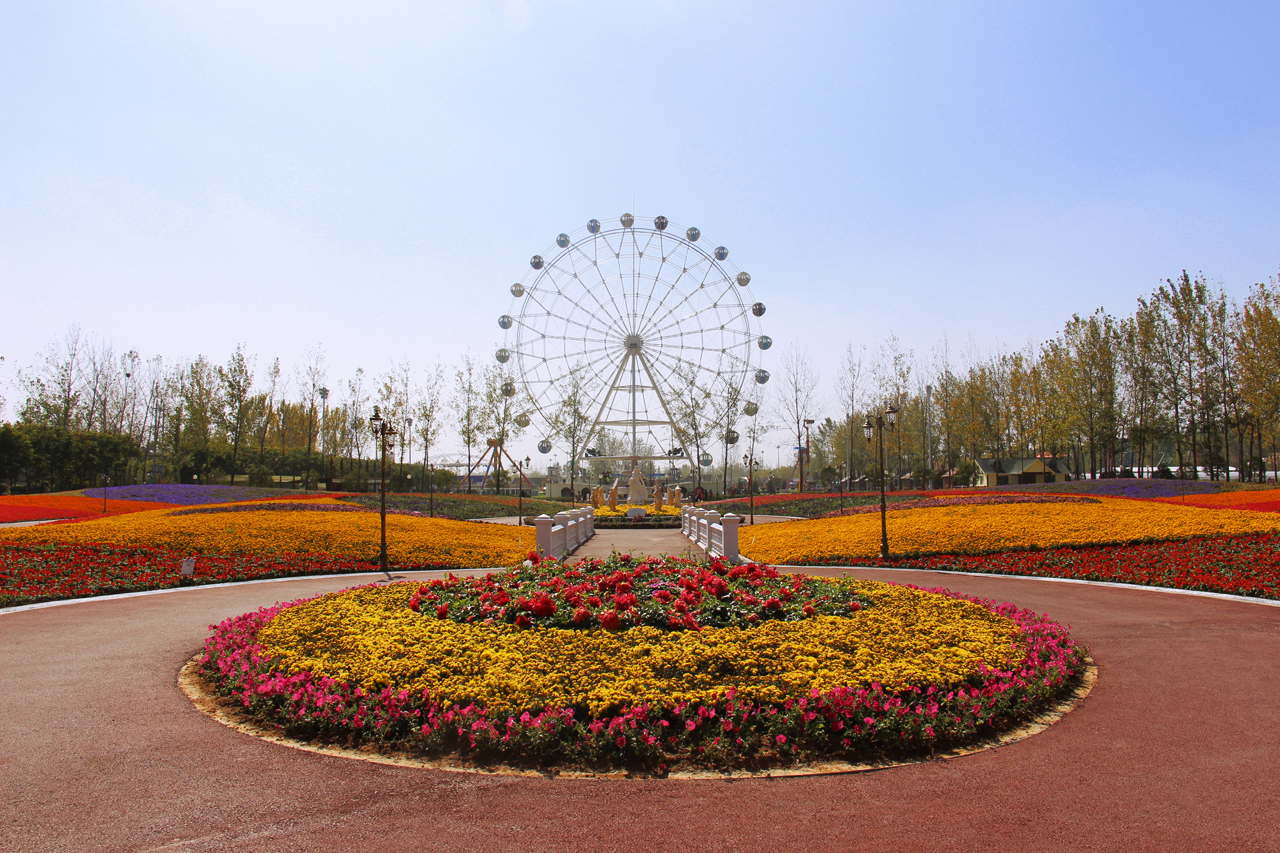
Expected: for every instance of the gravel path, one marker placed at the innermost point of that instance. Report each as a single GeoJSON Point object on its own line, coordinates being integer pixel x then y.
{"type": "Point", "coordinates": [1175, 749]}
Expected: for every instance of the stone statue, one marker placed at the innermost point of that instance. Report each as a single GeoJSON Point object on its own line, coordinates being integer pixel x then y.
{"type": "Point", "coordinates": [674, 497]}
{"type": "Point", "coordinates": [657, 499]}
{"type": "Point", "coordinates": [613, 496]}
{"type": "Point", "coordinates": [637, 492]}
{"type": "Point", "coordinates": [597, 497]}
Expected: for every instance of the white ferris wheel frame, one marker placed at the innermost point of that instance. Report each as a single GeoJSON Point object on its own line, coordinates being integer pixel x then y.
{"type": "Point", "coordinates": [642, 322]}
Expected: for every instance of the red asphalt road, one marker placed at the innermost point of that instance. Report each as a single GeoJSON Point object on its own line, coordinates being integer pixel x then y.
{"type": "Point", "coordinates": [1175, 749]}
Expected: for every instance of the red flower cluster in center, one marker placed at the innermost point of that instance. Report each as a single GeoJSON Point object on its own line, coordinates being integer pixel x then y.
{"type": "Point", "coordinates": [664, 592]}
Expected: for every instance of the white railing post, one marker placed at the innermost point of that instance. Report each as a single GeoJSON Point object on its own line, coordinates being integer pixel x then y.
{"type": "Point", "coordinates": [563, 521]}
{"type": "Point", "coordinates": [711, 519]}
{"type": "Point", "coordinates": [543, 525]}
{"type": "Point", "coordinates": [579, 528]}
{"type": "Point", "coordinates": [716, 535]}
{"type": "Point", "coordinates": [729, 537]}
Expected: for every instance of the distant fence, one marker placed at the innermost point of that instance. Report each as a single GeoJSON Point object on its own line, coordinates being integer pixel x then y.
{"type": "Point", "coordinates": [717, 535]}
{"type": "Point", "coordinates": [564, 533]}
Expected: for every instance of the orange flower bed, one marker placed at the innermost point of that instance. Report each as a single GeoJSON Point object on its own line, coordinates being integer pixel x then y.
{"type": "Point", "coordinates": [1257, 500]}
{"type": "Point", "coordinates": [43, 507]}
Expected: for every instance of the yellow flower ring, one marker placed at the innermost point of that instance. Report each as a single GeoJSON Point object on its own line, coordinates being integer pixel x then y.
{"type": "Point", "coordinates": [599, 666]}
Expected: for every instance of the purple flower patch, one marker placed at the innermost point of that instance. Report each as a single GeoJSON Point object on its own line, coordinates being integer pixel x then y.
{"type": "Point", "coordinates": [184, 495]}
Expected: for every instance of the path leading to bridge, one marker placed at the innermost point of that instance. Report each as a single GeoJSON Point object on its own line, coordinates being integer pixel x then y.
{"type": "Point", "coordinates": [1174, 750]}
{"type": "Point", "coordinates": [637, 543]}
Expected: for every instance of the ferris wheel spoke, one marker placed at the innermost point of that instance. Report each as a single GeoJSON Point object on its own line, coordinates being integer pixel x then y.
{"type": "Point", "coordinates": [588, 289]}
{"type": "Point", "coordinates": [721, 356]}
{"type": "Point", "coordinates": [685, 300]}
{"type": "Point", "coordinates": [551, 314]}
{"type": "Point", "coordinates": [601, 307]}
{"type": "Point", "coordinates": [608, 306]}
{"type": "Point", "coordinates": [680, 322]}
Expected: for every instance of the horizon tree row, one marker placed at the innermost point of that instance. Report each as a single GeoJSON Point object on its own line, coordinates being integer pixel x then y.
{"type": "Point", "coordinates": [1187, 382]}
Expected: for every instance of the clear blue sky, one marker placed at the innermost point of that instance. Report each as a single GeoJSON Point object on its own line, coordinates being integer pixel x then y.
{"type": "Point", "coordinates": [184, 176]}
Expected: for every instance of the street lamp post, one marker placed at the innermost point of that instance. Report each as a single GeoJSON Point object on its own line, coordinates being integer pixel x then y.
{"type": "Point", "coordinates": [840, 474]}
{"type": "Point", "coordinates": [382, 430]}
{"type": "Point", "coordinates": [408, 439]}
{"type": "Point", "coordinates": [804, 452]}
{"type": "Point", "coordinates": [751, 466]}
{"type": "Point", "coordinates": [431, 482]}
{"type": "Point", "coordinates": [324, 419]}
{"type": "Point", "coordinates": [520, 466]}
{"type": "Point", "coordinates": [877, 429]}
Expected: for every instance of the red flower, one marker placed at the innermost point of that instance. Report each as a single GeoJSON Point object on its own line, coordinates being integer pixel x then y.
{"type": "Point", "coordinates": [855, 606]}
{"type": "Point", "coordinates": [808, 610]}
{"type": "Point", "coordinates": [610, 620]}
{"type": "Point", "coordinates": [581, 616]}
{"type": "Point", "coordinates": [415, 603]}
{"type": "Point", "coordinates": [534, 558]}
{"type": "Point", "coordinates": [442, 611]}
{"type": "Point", "coordinates": [523, 621]}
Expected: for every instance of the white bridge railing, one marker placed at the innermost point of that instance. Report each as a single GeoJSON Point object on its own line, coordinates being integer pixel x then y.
{"type": "Point", "coordinates": [717, 535]}
{"type": "Point", "coordinates": [564, 533]}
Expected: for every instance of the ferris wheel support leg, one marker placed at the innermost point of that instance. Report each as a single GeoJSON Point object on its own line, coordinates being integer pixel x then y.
{"type": "Point", "coordinates": [613, 390]}
{"type": "Point", "coordinates": [644, 362]}
{"type": "Point", "coordinates": [517, 466]}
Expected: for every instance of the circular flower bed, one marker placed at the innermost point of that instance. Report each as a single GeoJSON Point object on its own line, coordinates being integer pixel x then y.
{"type": "Point", "coordinates": [621, 511]}
{"type": "Point", "coordinates": [617, 519]}
{"type": "Point", "coordinates": [651, 666]}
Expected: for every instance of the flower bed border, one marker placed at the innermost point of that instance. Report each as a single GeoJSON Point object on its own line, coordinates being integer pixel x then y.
{"type": "Point", "coordinates": [204, 696]}
{"type": "Point", "coordinates": [899, 725]}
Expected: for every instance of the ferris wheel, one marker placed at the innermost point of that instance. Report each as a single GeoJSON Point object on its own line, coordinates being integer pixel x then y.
{"type": "Point", "coordinates": [634, 315]}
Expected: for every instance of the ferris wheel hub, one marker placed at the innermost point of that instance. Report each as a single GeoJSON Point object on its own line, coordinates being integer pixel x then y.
{"type": "Point", "coordinates": [634, 343]}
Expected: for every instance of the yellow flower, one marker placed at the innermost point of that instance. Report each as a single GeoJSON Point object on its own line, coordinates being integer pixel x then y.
{"type": "Point", "coordinates": [605, 512]}
{"type": "Point", "coordinates": [982, 529]}
{"type": "Point", "coordinates": [371, 638]}
{"type": "Point", "coordinates": [411, 541]}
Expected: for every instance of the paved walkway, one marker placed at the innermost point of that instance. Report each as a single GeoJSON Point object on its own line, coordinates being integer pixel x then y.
{"type": "Point", "coordinates": [638, 543]}
{"type": "Point", "coordinates": [642, 542]}
{"type": "Point", "coordinates": [1174, 750]}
